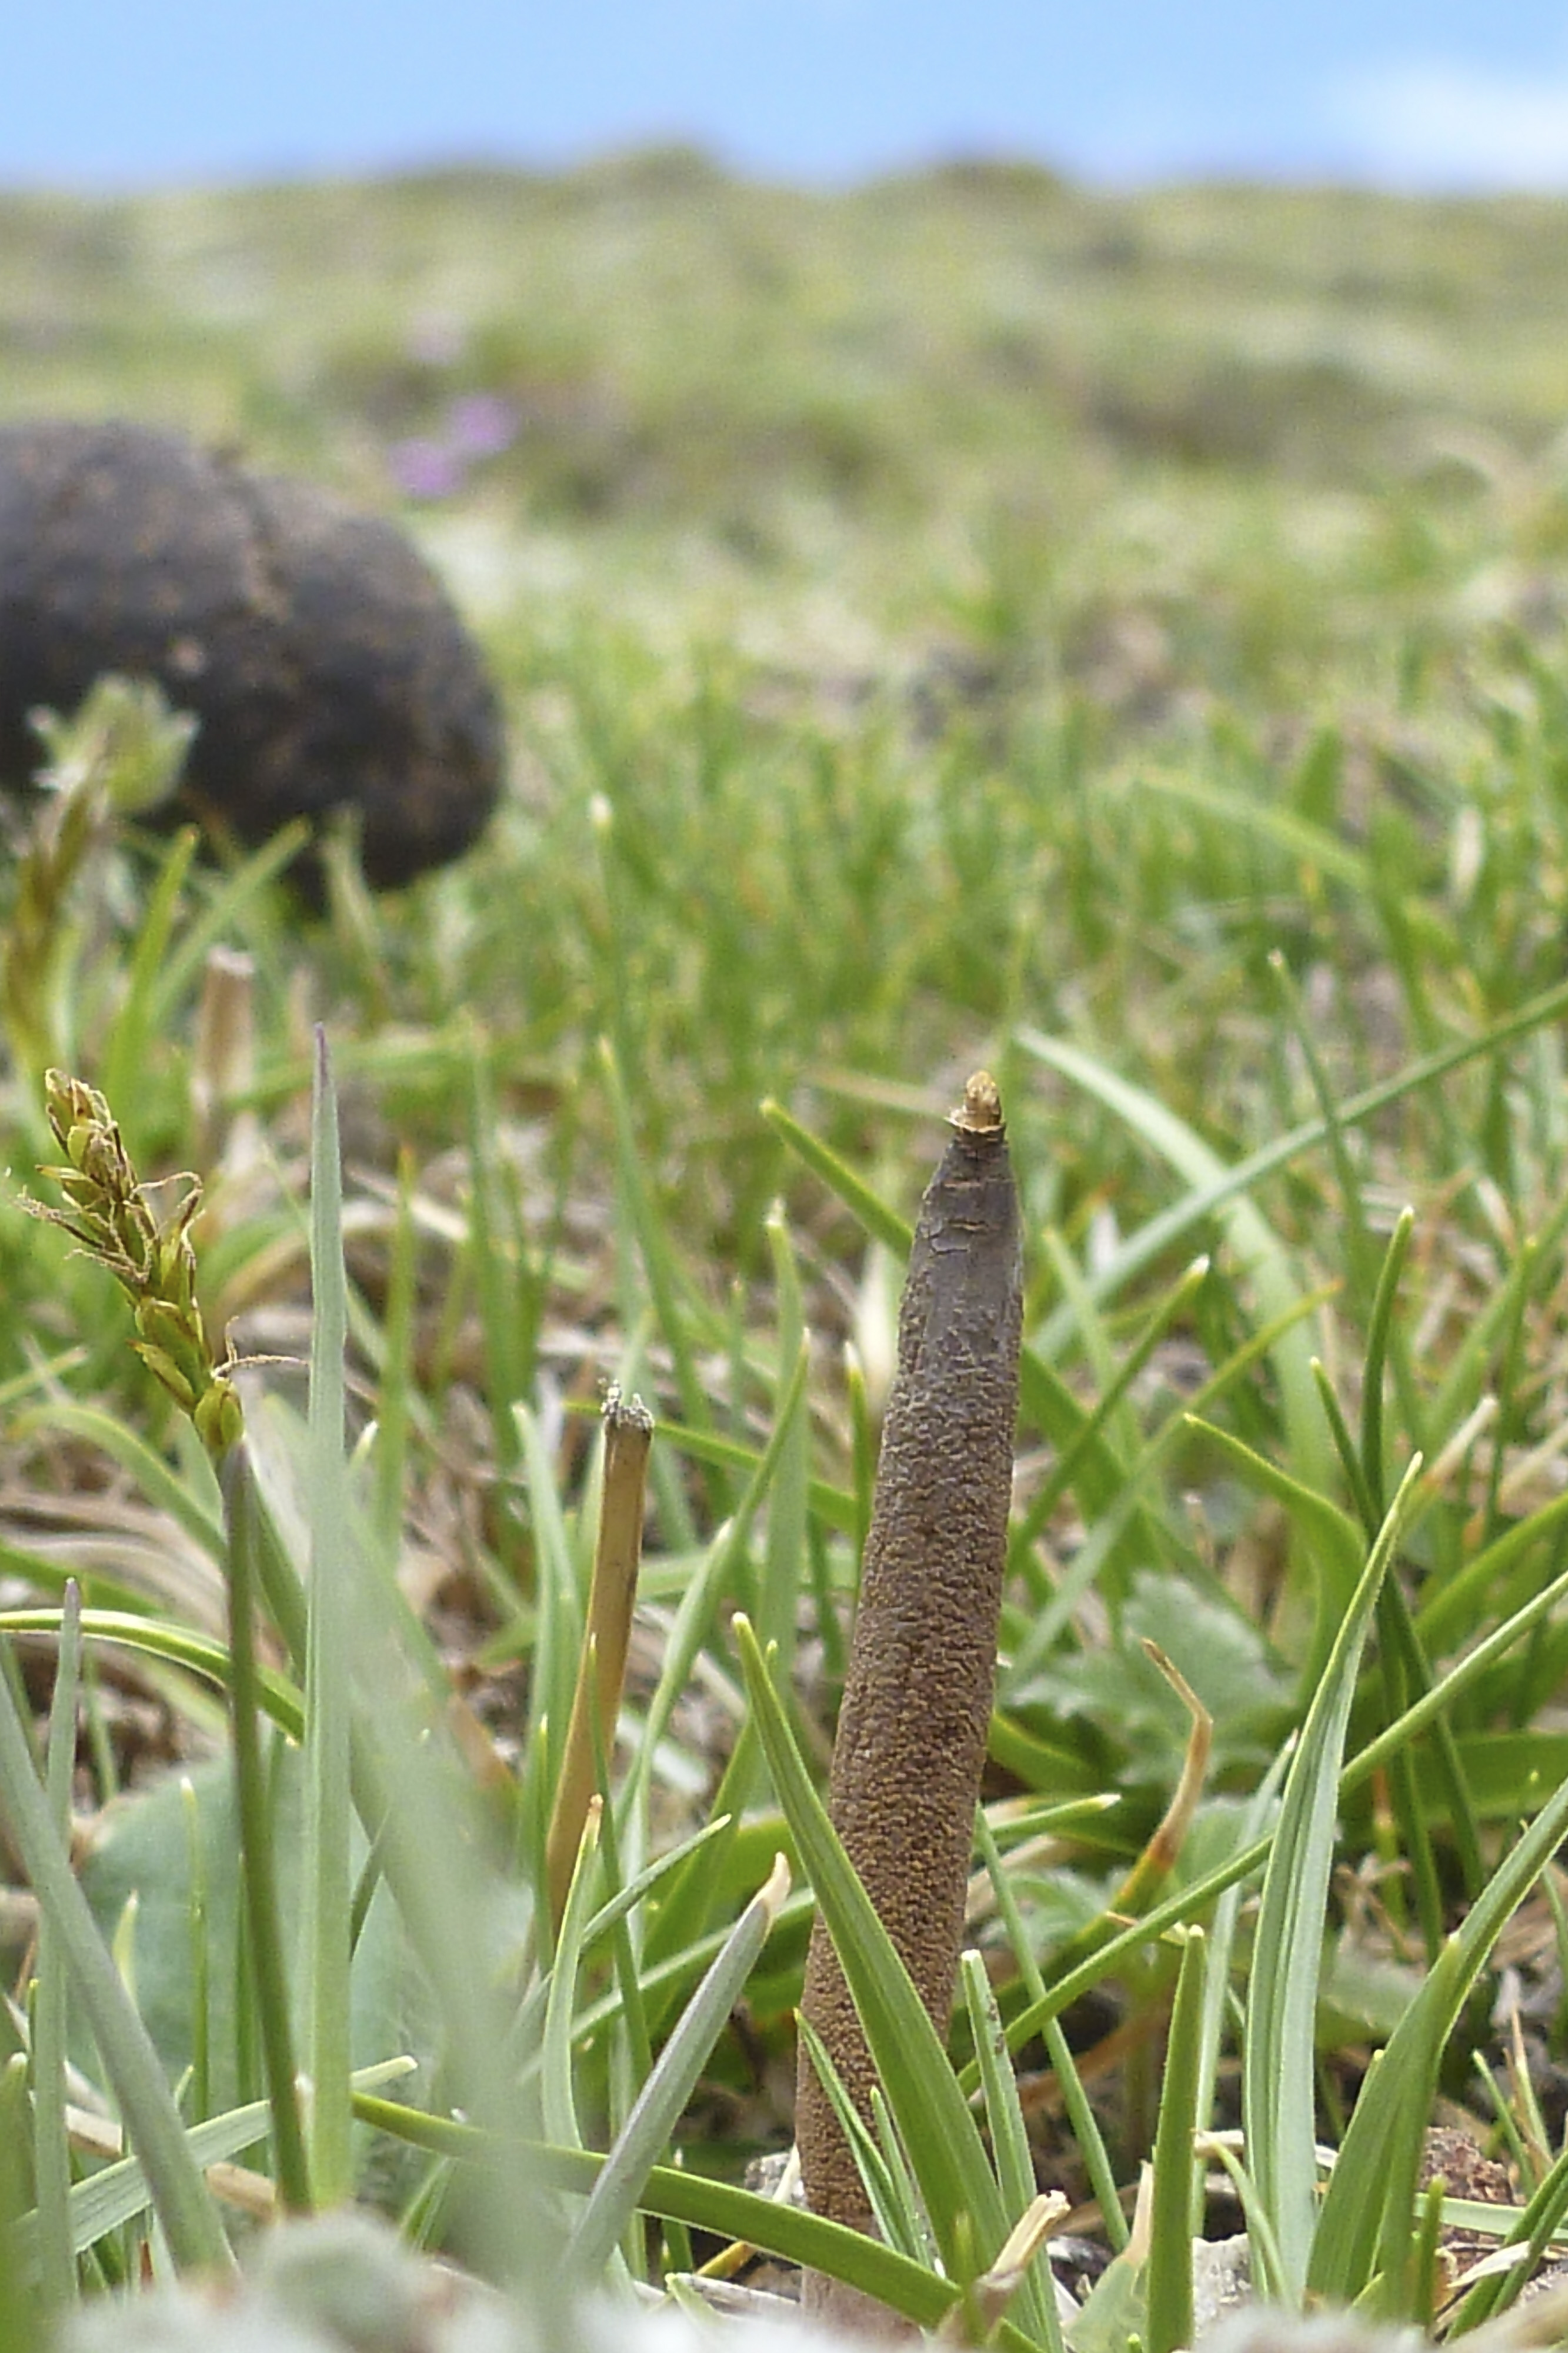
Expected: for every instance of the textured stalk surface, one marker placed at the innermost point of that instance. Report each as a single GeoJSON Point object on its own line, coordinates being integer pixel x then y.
{"type": "Point", "coordinates": [917, 1702]}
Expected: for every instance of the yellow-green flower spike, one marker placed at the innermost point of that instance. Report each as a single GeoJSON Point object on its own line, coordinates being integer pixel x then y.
{"type": "Point", "coordinates": [153, 1260]}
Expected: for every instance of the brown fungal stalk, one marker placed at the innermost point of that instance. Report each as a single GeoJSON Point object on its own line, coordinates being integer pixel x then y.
{"type": "Point", "coordinates": [917, 1695]}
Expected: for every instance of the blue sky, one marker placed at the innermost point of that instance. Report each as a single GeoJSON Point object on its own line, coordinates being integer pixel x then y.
{"type": "Point", "coordinates": [1418, 93]}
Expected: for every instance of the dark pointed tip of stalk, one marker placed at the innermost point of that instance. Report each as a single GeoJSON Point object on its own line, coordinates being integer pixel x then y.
{"type": "Point", "coordinates": [980, 1112]}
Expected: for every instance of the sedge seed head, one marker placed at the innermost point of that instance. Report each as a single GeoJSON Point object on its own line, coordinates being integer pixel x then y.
{"type": "Point", "coordinates": [153, 1260]}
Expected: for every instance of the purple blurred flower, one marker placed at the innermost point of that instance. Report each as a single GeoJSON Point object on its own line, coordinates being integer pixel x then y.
{"type": "Point", "coordinates": [433, 466]}
{"type": "Point", "coordinates": [424, 468]}
{"type": "Point", "coordinates": [481, 424]}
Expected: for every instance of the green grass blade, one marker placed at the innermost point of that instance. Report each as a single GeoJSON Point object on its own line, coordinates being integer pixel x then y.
{"type": "Point", "coordinates": [709, 1840]}
{"type": "Point", "coordinates": [1268, 2266]}
{"type": "Point", "coordinates": [257, 1845]}
{"type": "Point", "coordinates": [1118, 1425]}
{"type": "Point", "coordinates": [1257, 1247]}
{"type": "Point", "coordinates": [833, 1506]}
{"type": "Point", "coordinates": [1173, 1225]}
{"type": "Point", "coordinates": [882, 1223]}
{"type": "Point", "coordinates": [1251, 1854]}
{"type": "Point", "coordinates": [558, 1612]}
{"type": "Point", "coordinates": [1508, 1377]}
{"type": "Point", "coordinates": [185, 2209]}
{"type": "Point", "coordinates": [559, 2041]}
{"type": "Point", "coordinates": [198, 2092]}
{"type": "Point", "coordinates": [1396, 1655]}
{"type": "Point", "coordinates": [906, 2230]}
{"type": "Point", "coordinates": [1355, 1242]}
{"type": "Point", "coordinates": [329, 1673]}
{"type": "Point", "coordinates": [863, 1473]}
{"type": "Point", "coordinates": [741, 2216]}
{"type": "Point", "coordinates": [1221, 1947]}
{"type": "Point", "coordinates": [1045, 1403]}
{"type": "Point", "coordinates": [688, 1909]}
{"type": "Point", "coordinates": [21, 2323]}
{"type": "Point", "coordinates": [931, 2113]}
{"type": "Point", "coordinates": [170, 1490]}
{"type": "Point", "coordinates": [1536, 2226]}
{"type": "Point", "coordinates": [1278, 2087]}
{"type": "Point", "coordinates": [1369, 1514]}
{"type": "Point", "coordinates": [112, 2197]}
{"type": "Point", "coordinates": [394, 1400]}
{"type": "Point", "coordinates": [1449, 1615]}
{"type": "Point", "coordinates": [1114, 1517]}
{"type": "Point", "coordinates": [438, 1845]}
{"type": "Point", "coordinates": [1113, 1396]}
{"type": "Point", "coordinates": [1367, 2215]}
{"type": "Point", "coordinates": [219, 920]}
{"type": "Point", "coordinates": [125, 1051]}
{"type": "Point", "coordinates": [1301, 840]}
{"type": "Point", "coordinates": [890, 2196]}
{"type": "Point", "coordinates": [1168, 2278]}
{"type": "Point", "coordinates": [784, 1550]}
{"type": "Point", "coordinates": [664, 1983]}
{"type": "Point", "coordinates": [665, 1287]}
{"type": "Point", "coordinates": [499, 1274]}
{"type": "Point", "coordinates": [1334, 1538]}
{"type": "Point", "coordinates": [1036, 2305]}
{"type": "Point", "coordinates": [1378, 1343]}
{"type": "Point", "coordinates": [618, 2191]}
{"type": "Point", "coordinates": [154, 1638]}
{"type": "Point", "coordinates": [51, 2162]}
{"type": "Point", "coordinates": [1082, 2122]}
{"type": "Point", "coordinates": [1489, 1336]}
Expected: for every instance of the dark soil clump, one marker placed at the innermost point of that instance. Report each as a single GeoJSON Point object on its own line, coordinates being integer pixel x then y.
{"type": "Point", "coordinates": [323, 659]}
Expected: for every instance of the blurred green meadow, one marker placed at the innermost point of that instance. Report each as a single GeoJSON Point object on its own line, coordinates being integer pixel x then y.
{"type": "Point", "coordinates": [962, 591]}
{"type": "Point", "coordinates": [1117, 640]}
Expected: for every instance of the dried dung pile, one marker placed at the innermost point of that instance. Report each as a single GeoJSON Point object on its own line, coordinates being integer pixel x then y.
{"type": "Point", "coordinates": [321, 655]}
